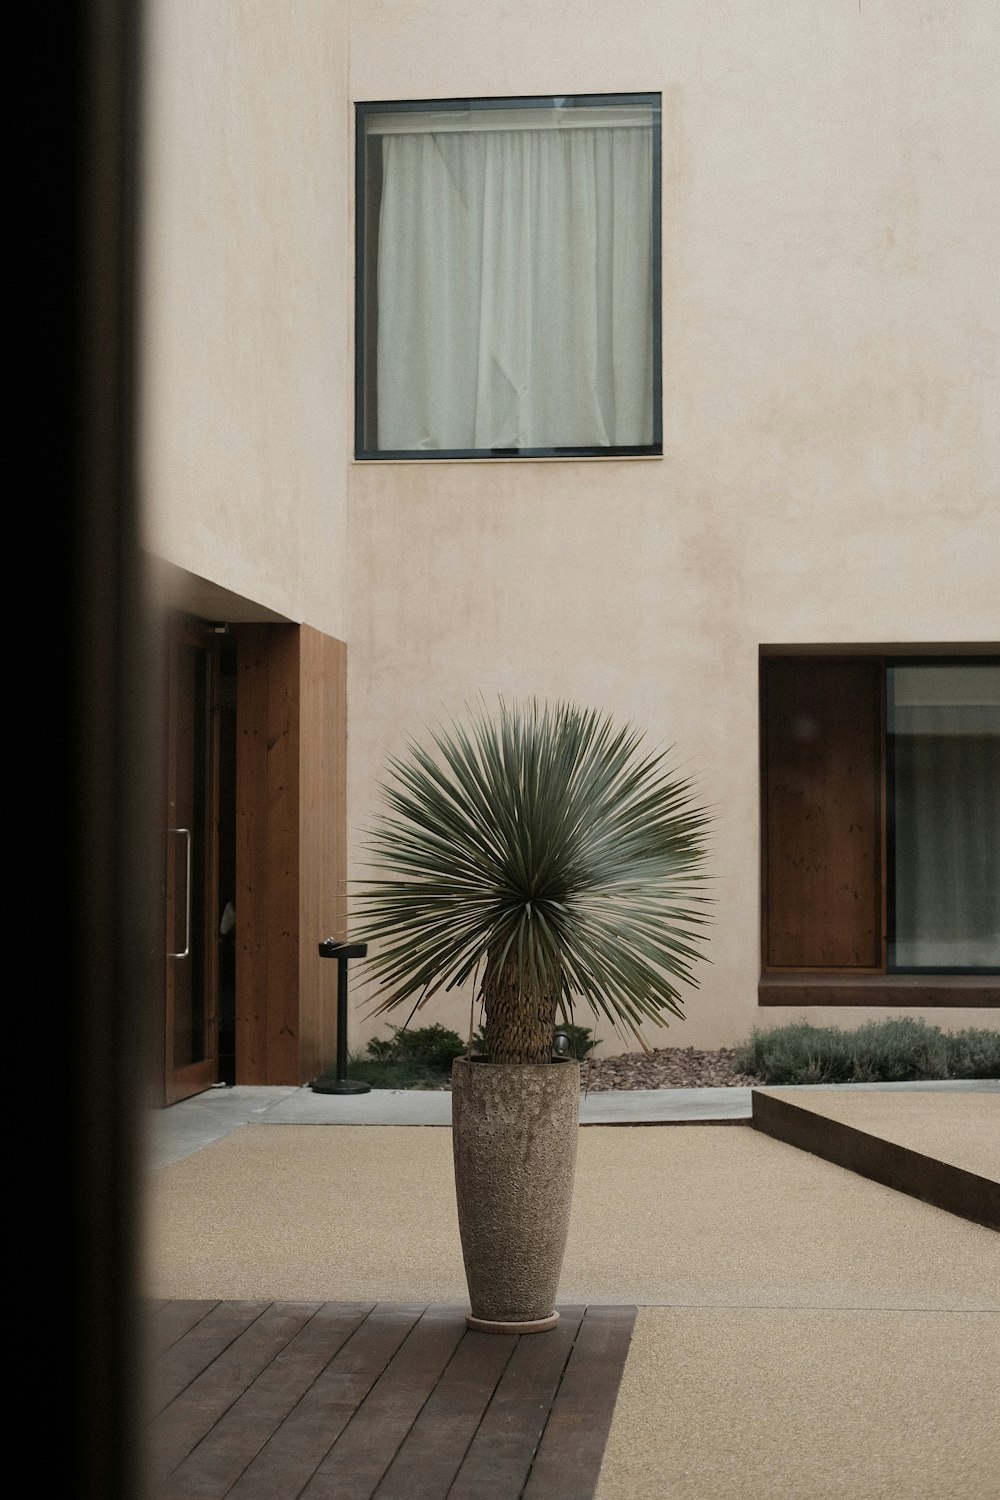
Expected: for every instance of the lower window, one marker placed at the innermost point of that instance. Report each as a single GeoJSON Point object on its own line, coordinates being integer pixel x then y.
{"type": "Point", "coordinates": [881, 816]}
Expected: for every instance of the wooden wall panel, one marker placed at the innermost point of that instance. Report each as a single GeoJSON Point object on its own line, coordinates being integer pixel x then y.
{"type": "Point", "coordinates": [322, 852]}
{"type": "Point", "coordinates": [267, 854]}
{"type": "Point", "coordinates": [822, 813]}
{"type": "Point", "coordinates": [291, 849]}
{"type": "Point", "coordinates": [251, 854]}
{"type": "Point", "coordinates": [282, 873]}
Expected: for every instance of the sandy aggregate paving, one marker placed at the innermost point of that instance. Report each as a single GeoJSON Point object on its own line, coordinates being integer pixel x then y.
{"type": "Point", "coordinates": [694, 1215]}
{"type": "Point", "coordinates": [756, 1404]}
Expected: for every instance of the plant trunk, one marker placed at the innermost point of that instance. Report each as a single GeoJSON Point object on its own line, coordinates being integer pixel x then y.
{"type": "Point", "coordinates": [520, 1025]}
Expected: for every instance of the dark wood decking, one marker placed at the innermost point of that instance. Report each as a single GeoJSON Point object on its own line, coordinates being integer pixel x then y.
{"type": "Point", "coordinates": [394, 1401]}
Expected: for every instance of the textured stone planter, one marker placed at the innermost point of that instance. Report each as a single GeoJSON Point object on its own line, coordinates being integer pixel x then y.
{"type": "Point", "coordinates": [514, 1133]}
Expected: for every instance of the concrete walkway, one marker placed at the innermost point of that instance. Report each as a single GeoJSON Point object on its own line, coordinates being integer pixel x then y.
{"type": "Point", "coordinates": [802, 1333]}
{"type": "Point", "coordinates": [196, 1122]}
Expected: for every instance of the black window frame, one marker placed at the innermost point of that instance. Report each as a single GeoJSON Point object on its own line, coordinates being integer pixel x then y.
{"type": "Point", "coordinates": [363, 309]}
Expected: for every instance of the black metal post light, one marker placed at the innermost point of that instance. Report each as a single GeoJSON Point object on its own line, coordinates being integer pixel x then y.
{"type": "Point", "coordinates": [342, 952]}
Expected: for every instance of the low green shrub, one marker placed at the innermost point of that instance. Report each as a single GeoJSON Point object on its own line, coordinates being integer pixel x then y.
{"type": "Point", "coordinates": [418, 1059]}
{"type": "Point", "coordinates": [974, 1054]}
{"type": "Point", "coordinates": [402, 1073]}
{"type": "Point", "coordinates": [900, 1050]}
{"type": "Point", "coordinates": [422, 1058]}
{"type": "Point", "coordinates": [797, 1053]}
{"type": "Point", "coordinates": [434, 1046]}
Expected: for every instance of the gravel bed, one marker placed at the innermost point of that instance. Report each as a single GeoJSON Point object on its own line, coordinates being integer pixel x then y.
{"type": "Point", "coordinates": [665, 1068]}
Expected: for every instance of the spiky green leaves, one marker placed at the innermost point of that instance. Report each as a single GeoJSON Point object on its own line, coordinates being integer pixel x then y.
{"type": "Point", "coordinates": [541, 835]}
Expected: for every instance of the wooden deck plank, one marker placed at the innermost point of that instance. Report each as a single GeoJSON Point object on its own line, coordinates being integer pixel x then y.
{"type": "Point", "coordinates": [366, 1448]}
{"type": "Point", "coordinates": [500, 1455]}
{"type": "Point", "coordinates": [216, 1463]}
{"type": "Point", "coordinates": [339, 1401]}
{"type": "Point", "coordinates": [568, 1460]}
{"type": "Point", "coordinates": [432, 1452]}
{"type": "Point", "coordinates": [187, 1419]}
{"type": "Point", "coordinates": [192, 1355]}
{"type": "Point", "coordinates": [168, 1322]}
{"type": "Point", "coordinates": [288, 1460]}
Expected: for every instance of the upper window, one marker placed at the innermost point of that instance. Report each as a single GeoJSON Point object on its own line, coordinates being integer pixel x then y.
{"type": "Point", "coordinates": [881, 816]}
{"type": "Point", "coordinates": [508, 275]}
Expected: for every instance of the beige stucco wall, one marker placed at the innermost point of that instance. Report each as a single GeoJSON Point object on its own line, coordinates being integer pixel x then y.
{"type": "Point", "coordinates": [831, 354]}
{"type": "Point", "coordinates": [246, 304]}
{"type": "Point", "coordinates": [831, 378]}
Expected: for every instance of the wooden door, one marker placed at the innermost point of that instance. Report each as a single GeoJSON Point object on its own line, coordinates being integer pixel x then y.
{"type": "Point", "coordinates": [192, 860]}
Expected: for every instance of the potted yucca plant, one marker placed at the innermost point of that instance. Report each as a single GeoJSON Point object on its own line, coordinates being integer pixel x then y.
{"type": "Point", "coordinates": [542, 855]}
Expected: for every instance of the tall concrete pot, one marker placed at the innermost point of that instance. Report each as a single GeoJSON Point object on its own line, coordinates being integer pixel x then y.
{"type": "Point", "coordinates": [514, 1133]}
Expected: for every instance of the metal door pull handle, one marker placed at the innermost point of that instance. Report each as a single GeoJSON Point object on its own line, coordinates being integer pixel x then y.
{"type": "Point", "coordinates": [185, 951]}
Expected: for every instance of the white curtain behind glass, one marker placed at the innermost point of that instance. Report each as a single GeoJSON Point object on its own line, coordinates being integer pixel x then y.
{"type": "Point", "coordinates": [515, 289]}
{"type": "Point", "coordinates": [947, 816]}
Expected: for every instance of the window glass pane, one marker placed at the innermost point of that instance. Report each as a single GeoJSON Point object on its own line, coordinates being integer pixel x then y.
{"type": "Point", "coordinates": [508, 278]}
{"type": "Point", "coordinates": [945, 815]}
